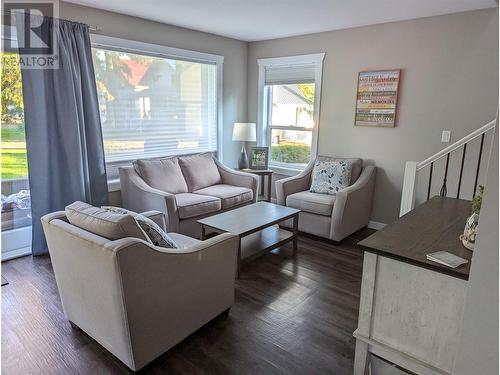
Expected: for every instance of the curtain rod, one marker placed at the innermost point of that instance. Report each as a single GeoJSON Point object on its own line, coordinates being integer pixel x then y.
{"type": "Point", "coordinates": [92, 28]}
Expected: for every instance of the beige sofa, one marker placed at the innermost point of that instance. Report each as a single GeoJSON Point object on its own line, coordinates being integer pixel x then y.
{"type": "Point", "coordinates": [330, 216]}
{"type": "Point", "coordinates": [138, 300]}
{"type": "Point", "coordinates": [185, 189]}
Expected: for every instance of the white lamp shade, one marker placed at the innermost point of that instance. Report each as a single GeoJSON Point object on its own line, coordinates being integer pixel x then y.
{"type": "Point", "coordinates": [244, 131]}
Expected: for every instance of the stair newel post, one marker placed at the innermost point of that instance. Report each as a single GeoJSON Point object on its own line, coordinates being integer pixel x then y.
{"type": "Point", "coordinates": [408, 193]}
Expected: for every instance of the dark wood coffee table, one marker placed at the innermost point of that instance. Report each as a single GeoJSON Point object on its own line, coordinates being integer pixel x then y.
{"type": "Point", "coordinates": [256, 226]}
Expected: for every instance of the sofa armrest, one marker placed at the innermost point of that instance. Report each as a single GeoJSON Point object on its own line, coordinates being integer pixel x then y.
{"type": "Point", "coordinates": [57, 215]}
{"type": "Point", "coordinates": [294, 184]}
{"type": "Point", "coordinates": [157, 216]}
{"type": "Point", "coordinates": [178, 290]}
{"type": "Point", "coordinates": [238, 178]}
{"type": "Point", "coordinates": [139, 197]}
{"type": "Point", "coordinates": [353, 205]}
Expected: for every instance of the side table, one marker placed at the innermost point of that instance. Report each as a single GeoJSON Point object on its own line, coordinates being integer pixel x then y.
{"type": "Point", "coordinates": [264, 174]}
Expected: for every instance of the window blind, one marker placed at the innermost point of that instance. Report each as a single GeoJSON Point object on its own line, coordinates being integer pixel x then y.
{"type": "Point", "coordinates": [154, 106]}
{"type": "Point", "coordinates": [290, 74]}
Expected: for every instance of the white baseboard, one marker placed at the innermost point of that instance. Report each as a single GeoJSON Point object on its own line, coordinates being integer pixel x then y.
{"type": "Point", "coordinates": [7, 255]}
{"type": "Point", "coordinates": [16, 243]}
{"type": "Point", "coordinates": [376, 225]}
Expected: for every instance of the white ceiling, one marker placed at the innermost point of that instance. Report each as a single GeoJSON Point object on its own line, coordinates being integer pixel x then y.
{"type": "Point", "coordinates": [252, 20]}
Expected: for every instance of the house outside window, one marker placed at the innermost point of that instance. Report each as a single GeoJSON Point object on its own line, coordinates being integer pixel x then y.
{"type": "Point", "coordinates": [155, 101]}
{"type": "Point", "coordinates": [289, 91]}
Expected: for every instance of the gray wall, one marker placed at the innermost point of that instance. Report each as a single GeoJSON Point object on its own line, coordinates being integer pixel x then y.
{"type": "Point", "coordinates": [138, 29]}
{"type": "Point", "coordinates": [449, 81]}
{"type": "Point", "coordinates": [478, 352]}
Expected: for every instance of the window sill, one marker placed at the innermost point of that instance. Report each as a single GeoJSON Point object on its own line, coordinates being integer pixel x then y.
{"type": "Point", "coordinates": [285, 171]}
{"type": "Point", "coordinates": [114, 185]}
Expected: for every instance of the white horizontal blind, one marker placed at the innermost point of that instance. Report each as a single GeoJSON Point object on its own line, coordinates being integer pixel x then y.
{"type": "Point", "coordinates": [289, 74]}
{"type": "Point", "coordinates": [154, 106]}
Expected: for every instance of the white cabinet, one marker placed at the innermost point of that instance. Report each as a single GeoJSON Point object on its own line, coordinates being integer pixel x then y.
{"type": "Point", "coordinates": [408, 315]}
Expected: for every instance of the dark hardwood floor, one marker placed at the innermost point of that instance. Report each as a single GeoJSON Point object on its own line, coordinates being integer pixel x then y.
{"type": "Point", "coordinates": [290, 317]}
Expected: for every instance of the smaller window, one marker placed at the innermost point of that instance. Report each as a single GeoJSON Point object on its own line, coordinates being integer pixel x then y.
{"type": "Point", "coordinates": [291, 123]}
{"type": "Point", "coordinates": [289, 89]}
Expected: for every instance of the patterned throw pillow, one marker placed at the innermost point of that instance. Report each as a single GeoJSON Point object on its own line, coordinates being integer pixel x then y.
{"type": "Point", "coordinates": [151, 230]}
{"type": "Point", "coordinates": [328, 177]}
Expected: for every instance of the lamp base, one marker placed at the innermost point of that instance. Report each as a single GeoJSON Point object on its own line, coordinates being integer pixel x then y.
{"type": "Point", "coordinates": [243, 160]}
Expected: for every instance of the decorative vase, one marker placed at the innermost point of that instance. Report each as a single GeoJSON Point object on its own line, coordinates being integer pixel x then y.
{"type": "Point", "coordinates": [243, 162]}
{"type": "Point", "coordinates": [470, 231]}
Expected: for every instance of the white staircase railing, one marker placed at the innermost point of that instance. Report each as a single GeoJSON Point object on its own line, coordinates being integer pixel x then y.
{"type": "Point", "coordinates": [412, 168]}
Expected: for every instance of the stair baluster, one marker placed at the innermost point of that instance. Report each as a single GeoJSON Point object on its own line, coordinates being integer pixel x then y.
{"type": "Point", "coordinates": [461, 170]}
{"type": "Point", "coordinates": [478, 165]}
{"type": "Point", "coordinates": [444, 190]}
{"type": "Point", "coordinates": [430, 181]}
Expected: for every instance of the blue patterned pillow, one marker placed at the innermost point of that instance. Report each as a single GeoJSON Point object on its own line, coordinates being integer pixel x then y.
{"type": "Point", "coordinates": [329, 177]}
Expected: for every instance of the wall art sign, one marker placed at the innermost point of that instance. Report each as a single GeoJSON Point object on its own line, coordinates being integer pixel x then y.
{"type": "Point", "coordinates": [377, 97]}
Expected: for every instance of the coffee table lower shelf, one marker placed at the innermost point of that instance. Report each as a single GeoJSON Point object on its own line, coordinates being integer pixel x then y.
{"type": "Point", "coordinates": [263, 241]}
{"type": "Point", "coordinates": [257, 226]}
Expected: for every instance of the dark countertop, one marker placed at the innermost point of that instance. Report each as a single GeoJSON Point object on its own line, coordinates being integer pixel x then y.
{"type": "Point", "coordinates": [433, 226]}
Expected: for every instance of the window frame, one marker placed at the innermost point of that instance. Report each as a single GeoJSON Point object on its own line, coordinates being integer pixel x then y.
{"type": "Point", "coordinates": [264, 130]}
{"type": "Point", "coordinates": [156, 50]}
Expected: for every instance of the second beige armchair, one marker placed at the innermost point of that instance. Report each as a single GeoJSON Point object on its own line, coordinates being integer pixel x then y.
{"type": "Point", "coordinates": [330, 216]}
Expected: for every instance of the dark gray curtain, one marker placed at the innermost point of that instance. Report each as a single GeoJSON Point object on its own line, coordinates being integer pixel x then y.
{"type": "Point", "coordinates": [63, 128]}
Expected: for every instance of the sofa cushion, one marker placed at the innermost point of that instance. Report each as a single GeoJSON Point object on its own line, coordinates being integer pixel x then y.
{"type": "Point", "coordinates": [229, 195]}
{"type": "Point", "coordinates": [356, 164]}
{"type": "Point", "coordinates": [102, 222]}
{"type": "Point", "coordinates": [191, 205]}
{"type": "Point", "coordinates": [153, 231]}
{"type": "Point", "coordinates": [330, 176]}
{"type": "Point", "coordinates": [164, 174]}
{"type": "Point", "coordinates": [320, 204]}
{"type": "Point", "coordinates": [200, 171]}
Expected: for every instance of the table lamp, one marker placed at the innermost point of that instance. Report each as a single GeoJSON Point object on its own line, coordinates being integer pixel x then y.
{"type": "Point", "coordinates": [244, 132]}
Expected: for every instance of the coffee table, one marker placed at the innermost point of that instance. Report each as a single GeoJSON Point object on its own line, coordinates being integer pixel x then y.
{"type": "Point", "coordinates": [256, 226]}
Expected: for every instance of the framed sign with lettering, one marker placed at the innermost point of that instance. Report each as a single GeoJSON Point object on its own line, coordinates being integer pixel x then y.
{"type": "Point", "coordinates": [377, 98]}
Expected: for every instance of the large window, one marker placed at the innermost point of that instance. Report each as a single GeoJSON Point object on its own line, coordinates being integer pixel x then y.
{"type": "Point", "coordinates": [153, 105]}
{"type": "Point", "coordinates": [16, 203]}
{"type": "Point", "coordinates": [289, 89]}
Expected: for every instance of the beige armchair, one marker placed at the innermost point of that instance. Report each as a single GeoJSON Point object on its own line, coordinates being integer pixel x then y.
{"type": "Point", "coordinates": [186, 189]}
{"type": "Point", "coordinates": [135, 299]}
{"type": "Point", "coordinates": [330, 216]}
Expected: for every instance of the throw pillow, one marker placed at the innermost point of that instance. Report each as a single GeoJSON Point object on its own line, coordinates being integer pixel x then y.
{"type": "Point", "coordinates": [200, 171]}
{"type": "Point", "coordinates": [165, 174]}
{"type": "Point", "coordinates": [151, 230]}
{"type": "Point", "coordinates": [329, 177]}
{"type": "Point", "coordinates": [104, 223]}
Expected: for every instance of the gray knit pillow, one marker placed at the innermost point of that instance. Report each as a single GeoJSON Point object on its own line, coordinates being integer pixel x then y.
{"type": "Point", "coordinates": [151, 230]}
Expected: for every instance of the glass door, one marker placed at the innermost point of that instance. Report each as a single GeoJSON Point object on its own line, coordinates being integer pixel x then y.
{"type": "Point", "coordinates": [15, 198]}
